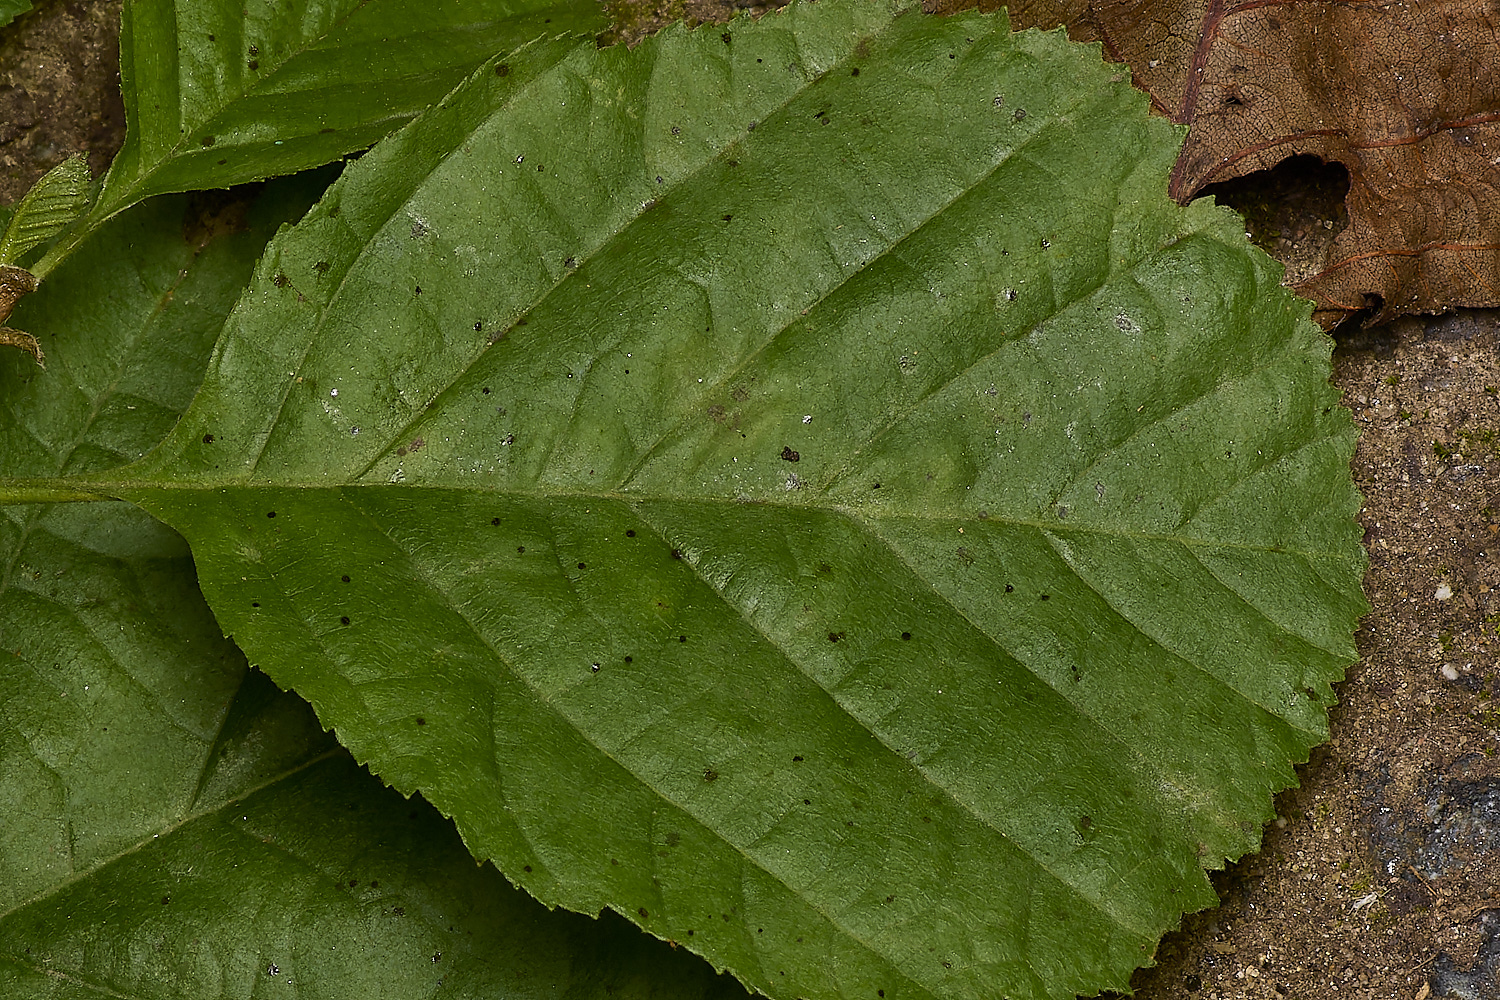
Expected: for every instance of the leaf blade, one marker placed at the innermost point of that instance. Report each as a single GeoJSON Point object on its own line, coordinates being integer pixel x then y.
{"type": "Point", "coordinates": [832, 530]}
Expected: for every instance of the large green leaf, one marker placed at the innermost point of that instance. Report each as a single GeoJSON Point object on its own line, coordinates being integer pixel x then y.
{"type": "Point", "coordinates": [218, 93]}
{"type": "Point", "coordinates": [174, 826]}
{"type": "Point", "coordinates": [800, 485]}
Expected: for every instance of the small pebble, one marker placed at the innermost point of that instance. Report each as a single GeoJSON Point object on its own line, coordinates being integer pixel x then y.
{"type": "Point", "coordinates": [1449, 672]}
{"type": "Point", "coordinates": [1444, 591]}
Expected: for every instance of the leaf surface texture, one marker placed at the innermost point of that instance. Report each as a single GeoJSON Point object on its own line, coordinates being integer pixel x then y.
{"type": "Point", "coordinates": [175, 826]}
{"type": "Point", "coordinates": [799, 484]}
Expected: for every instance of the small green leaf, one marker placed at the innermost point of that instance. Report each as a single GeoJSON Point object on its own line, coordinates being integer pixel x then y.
{"type": "Point", "coordinates": [799, 484]}
{"type": "Point", "coordinates": [220, 94]}
{"type": "Point", "coordinates": [12, 9]}
{"type": "Point", "coordinates": [60, 197]}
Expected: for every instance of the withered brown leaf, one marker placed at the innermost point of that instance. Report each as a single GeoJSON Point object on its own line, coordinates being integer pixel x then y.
{"type": "Point", "coordinates": [1405, 95]}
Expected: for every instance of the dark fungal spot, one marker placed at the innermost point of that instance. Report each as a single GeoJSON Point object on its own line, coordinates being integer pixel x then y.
{"type": "Point", "coordinates": [255, 604]}
{"type": "Point", "coordinates": [570, 263]}
{"type": "Point", "coordinates": [419, 289]}
{"type": "Point", "coordinates": [728, 218]}
{"type": "Point", "coordinates": [321, 267]}
{"type": "Point", "coordinates": [855, 72]}
{"type": "Point", "coordinates": [485, 390]}
{"type": "Point", "coordinates": [495, 521]}
{"type": "Point", "coordinates": [375, 884]}
{"type": "Point", "coordinates": [807, 802]}
{"type": "Point", "coordinates": [421, 721]}
{"type": "Point", "coordinates": [1046, 597]}
{"type": "Point", "coordinates": [880, 993]}
{"type": "Point", "coordinates": [682, 638]}
{"type": "Point", "coordinates": [583, 566]}
{"type": "Point", "coordinates": [788, 455]}
{"type": "Point", "coordinates": [353, 882]}
{"type": "Point", "coordinates": [876, 486]}
{"type": "Point", "coordinates": [208, 439]}
{"type": "Point", "coordinates": [504, 70]}
{"type": "Point", "coordinates": [343, 619]}
{"type": "Point", "coordinates": [835, 636]}
{"type": "Point", "coordinates": [594, 667]}
{"type": "Point", "coordinates": [520, 550]}
{"type": "Point", "coordinates": [207, 141]}
{"type": "Point", "coordinates": [710, 775]}
{"type": "Point", "coordinates": [345, 578]}
{"type": "Point", "coordinates": [478, 325]}
{"type": "Point", "coordinates": [905, 636]}
{"type": "Point", "coordinates": [726, 38]}
{"type": "Point", "coordinates": [1009, 589]}
{"type": "Point", "coordinates": [165, 900]}
{"type": "Point", "coordinates": [690, 932]}
{"type": "Point", "coordinates": [643, 913]}
{"type": "Point", "coordinates": [254, 50]}
{"type": "Point", "coordinates": [676, 130]}
{"type": "Point", "coordinates": [254, 64]}
{"type": "Point", "coordinates": [280, 281]}
{"type": "Point", "coordinates": [629, 659]}
{"type": "Point", "coordinates": [676, 553]}
{"type": "Point", "coordinates": [797, 759]}
{"type": "Point", "coordinates": [270, 513]}
{"type": "Point", "coordinates": [629, 532]}
{"type": "Point", "coordinates": [526, 868]}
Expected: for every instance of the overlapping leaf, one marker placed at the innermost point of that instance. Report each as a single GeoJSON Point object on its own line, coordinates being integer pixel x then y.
{"type": "Point", "coordinates": [1403, 97]}
{"type": "Point", "coordinates": [800, 485]}
{"type": "Point", "coordinates": [174, 826]}
{"type": "Point", "coordinates": [218, 93]}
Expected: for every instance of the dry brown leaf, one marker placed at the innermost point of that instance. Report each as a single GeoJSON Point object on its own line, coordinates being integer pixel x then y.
{"type": "Point", "coordinates": [1405, 95]}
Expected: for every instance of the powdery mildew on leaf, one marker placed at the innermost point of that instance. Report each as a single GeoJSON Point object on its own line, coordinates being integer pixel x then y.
{"type": "Point", "coordinates": [801, 485]}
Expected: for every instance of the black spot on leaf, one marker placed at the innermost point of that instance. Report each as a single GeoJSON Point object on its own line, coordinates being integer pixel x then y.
{"type": "Point", "coordinates": [345, 578]}
{"type": "Point", "coordinates": [421, 721]}
{"type": "Point", "coordinates": [629, 532]}
{"type": "Point", "coordinates": [504, 70]}
{"type": "Point", "coordinates": [343, 619]}
{"type": "Point", "coordinates": [710, 775]}
{"type": "Point", "coordinates": [208, 439]}
{"type": "Point", "coordinates": [905, 636]}
{"type": "Point", "coordinates": [788, 455]}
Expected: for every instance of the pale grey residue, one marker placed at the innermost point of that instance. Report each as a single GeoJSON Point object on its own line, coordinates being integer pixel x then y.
{"type": "Point", "coordinates": [1126, 324]}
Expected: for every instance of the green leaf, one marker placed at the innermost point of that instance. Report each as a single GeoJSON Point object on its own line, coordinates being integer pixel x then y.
{"type": "Point", "coordinates": [800, 485]}
{"type": "Point", "coordinates": [218, 94]}
{"type": "Point", "coordinates": [175, 826]}
{"type": "Point", "coordinates": [53, 202]}
{"type": "Point", "coordinates": [12, 9]}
